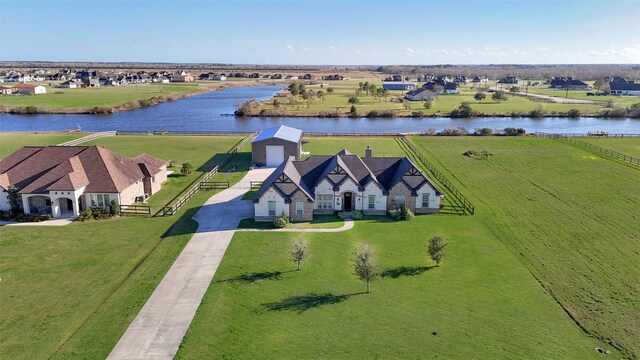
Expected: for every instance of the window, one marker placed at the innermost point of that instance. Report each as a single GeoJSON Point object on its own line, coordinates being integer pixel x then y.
{"type": "Point", "coordinates": [372, 201]}
{"type": "Point", "coordinates": [100, 200]}
{"type": "Point", "coordinates": [425, 200]}
{"type": "Point", "coordinates": [153, 179]}
{"type": "Point", "coordinates": [325, 201]}
{"type": "Point", "coordinates": [398, 198]}
{"type": "Point", "coordinates": [299, 208]}
{"type": "Point", "coordinates": [272, 208]}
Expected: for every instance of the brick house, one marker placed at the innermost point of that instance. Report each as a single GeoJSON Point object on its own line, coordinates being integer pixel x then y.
{"type": "Point", "coordinates": [64, 180]}
{"type": "Point", "coordinates": [344, 182]}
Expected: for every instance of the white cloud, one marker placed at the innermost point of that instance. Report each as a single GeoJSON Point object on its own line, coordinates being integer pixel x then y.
{"type": "Point", "coordinates": [624, 52]}
{"type": "Point", "coordinates": [543, 49]}
{"type": "Point", "coordinates": [442, 52]}
{"type": "Point", "coordinates": [290, 47]}
{"type": "Point", "coordinates": [304, 48]}
{"type": "Point", "coordinates": [410, 50]}
{"type": "Point", "coordinates": [521, 52]}
{"type": "Point", "coordinates": [358, 52]}
{"type": "Point", "coordinates": [331, 47]}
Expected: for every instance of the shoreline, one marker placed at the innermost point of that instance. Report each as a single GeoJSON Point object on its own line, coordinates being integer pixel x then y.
{"type": "Point", "coordinates": [428, 116]}
{"type": "Point", "coordinates": [131, 104]}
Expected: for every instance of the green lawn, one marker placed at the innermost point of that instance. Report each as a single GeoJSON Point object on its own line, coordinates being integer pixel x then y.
{"type": "Point", "coordinates": [623, 101]}
{"type": "Point", "coordinates": [330, 146]}
{"type": "Point", "coordinates": [569, 215]}
{"type": "Point", "coordinates": [87, 98]}
{"type": "Point", "coordinates": [441, 106]}
{"type": "Point", "coordinates": [481, 303]}
{"type": "Point", "coordinates": [10, 142]}
{"type": "Point", "coordinates": [203, 152]}
{"type": "Point", "coordinates": [629, 146]}
{"type": "Point", "coordinates": [543, 208]}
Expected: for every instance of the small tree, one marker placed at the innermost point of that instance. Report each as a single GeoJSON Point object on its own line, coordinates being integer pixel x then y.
{"type": "Point", "coordinates": [113, 207]}
{"type": "Point", "coordinates": [293, 88]}
{"type": "Point", "coordinates": [330, 90]}
{"type": "Point", "coordinates": [437, 246]}
{"type": "Point", "coordinates": [15, 201]}
{"type": "Point", "coordinates": [354, 110]}
{"type": "Point", "coordinates": [281, 221]}
{"type": "Point", "coordinates": [364, 265]}
{"type": "Point", "coordinates": [353, 100]}
{"type": "Point", "coordinates": [299, 253]}
{"type": "Point", "coordinates": [186, 169]}
{"type": "Point", "coordinates": [276, 103]}
{"type": "Point", "coordinates": [427, 104]}
{"type": "Point", "coordinates": [499, 96]}
{"type": "Point", "coordinates": [479, 96]}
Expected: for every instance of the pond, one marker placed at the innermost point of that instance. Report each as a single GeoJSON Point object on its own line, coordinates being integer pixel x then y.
{"type": "Point", "coordinates": [214, 112]}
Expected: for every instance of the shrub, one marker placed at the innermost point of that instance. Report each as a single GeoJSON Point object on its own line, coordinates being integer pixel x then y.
{"type": "Point", "coordinates": [281, 221]}
{"type": "Point", "coordinates": [574, 113]}
{"type": "Point", "coordinates": [538, 113]}
{"type": "Point", "coordinates": [86, 215]}
{"type": "Point", "coordinates": [353, 110]}
{"type": "Point", "coordinates": [427, 104]}
{"type": "Point", "coordinates": [403, 213]}
{"type": "Point", "coordinates": [353, 100]}
{"type": "Point", "coordinates": [616, 112]}
{"type": "Point", "coordinates": [510, 131]}
{"type": "Point", "coordinates": [357, 214]}
{"type": "Point", "coordinates": [341, 215]}
{"type": "Point", "coordinates": [31, 110]}
{"type": "Point", "coordinates": [113, 207]}
{"type": "Point", "coordinates": [246, 108]}
{"type": "Point", "coordinates": [483, 132]}
{"type": "Point", "coordinates": [186, 169]}
{"type": "Point", "coordinates": [449, 131]}
{"type": "Point", "coordinates": [417, 114]}
{"type": "Point", "coordinates": [463, 111]}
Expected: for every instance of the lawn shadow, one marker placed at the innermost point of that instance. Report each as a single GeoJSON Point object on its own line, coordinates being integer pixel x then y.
{"type": "Point", "coordinates": [406, 271]}
{"type": "Point", "coordinates": [303, 303]}
{"type": "Point", "coordinates": [253, 277]}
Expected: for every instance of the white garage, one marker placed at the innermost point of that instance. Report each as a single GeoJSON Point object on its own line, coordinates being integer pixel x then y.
{"type": "Point", "coordinates": [275, 155]}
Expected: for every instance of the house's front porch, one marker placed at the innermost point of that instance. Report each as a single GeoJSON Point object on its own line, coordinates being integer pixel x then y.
{"type": "Point", "coordinates": [57, 205]}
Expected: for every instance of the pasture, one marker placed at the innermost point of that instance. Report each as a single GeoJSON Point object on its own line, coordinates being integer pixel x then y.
{"type": "Point", "coordinates": [10, 142]}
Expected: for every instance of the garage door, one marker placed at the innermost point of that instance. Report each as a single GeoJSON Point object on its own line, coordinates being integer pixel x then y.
{"type": "Point", "coordinates": [275, 155]}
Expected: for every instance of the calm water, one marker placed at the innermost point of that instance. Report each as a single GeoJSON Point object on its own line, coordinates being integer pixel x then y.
{"type": "Point", "coordinates": [212, 112]}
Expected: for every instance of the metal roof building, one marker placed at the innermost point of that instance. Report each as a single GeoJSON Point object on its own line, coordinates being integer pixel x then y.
{"type": "Point", "coordinates": [272, 146]}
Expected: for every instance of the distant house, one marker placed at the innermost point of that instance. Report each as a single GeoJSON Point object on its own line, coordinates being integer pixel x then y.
{"type": "Point", "coordinates": [90, 82]}
{"type": "Point", "coordinates": [442, 87]}
{"type": "Point", "coordinates": [568, 83]}
{"type": "Point", "coordinates": [6, 90]}
{"type": "Point", "coordinates": [480, 79]}
{"type": "Point", "coordinates": [181, 76]}
{"type": "Point", "coordinates": [393, 78]}
{"type": "Point", "coordinates": [509, 80]}
{"type": "Point", "coordinates": [272, 146]}
{"type": "Point", "coordinates": [323, 184]}
{"type": "Point", "coordinates": [399, 85]}
{"type": "Point", "coordinates": [64, 180]}
{"type": "Point", "coordinates": [276, 76]}
{"type": "Point", "coordinates": [460, 79]}
{"type": "Point", "coordinates": [70, 84]}
{"type": "Point", "coordinates": [255, 76]}
{"type": "Point", "coordinates": [333, 77]}
{"type": "Point", "coordinates": [424, 78]}
{"type": "Point", "coordinates": [213, 76]}
{"type": "Point", "coordinates": [622, 86]}
{"type": "Point", "coordinates": [291, 77]}
{"type": "Point", "coordinates": [30, 89]}
{"type": "Point", "coordinates": [307, 77]}
{"type": "Point", "coordinates": [420, 94]}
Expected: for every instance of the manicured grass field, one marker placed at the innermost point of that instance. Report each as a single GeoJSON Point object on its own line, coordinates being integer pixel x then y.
{"type": "Point", "coordinates": [203, 152]}
{"type": "Point", "coordinates": [543, 208]}
{"type": "Point", "coordinates": [441, 106]}
{"type": "Point", "coordinates": [10, 142]}
{"type": "Point", "coordinates": [629, 146]}
{"type": "Point", "coordinates": [623, 101]}
{"type": "Point", "coordinates": [87, 98]}
{"type": "Point", "coordinates": [72, 291]}
{"type": "Point", "coordinates": [569, 215]}
{"type": "Point", "coordinates": [481, 303]}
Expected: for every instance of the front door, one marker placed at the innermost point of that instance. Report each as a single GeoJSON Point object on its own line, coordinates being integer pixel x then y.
{"type": "Point", "coordinates": [348, 197]}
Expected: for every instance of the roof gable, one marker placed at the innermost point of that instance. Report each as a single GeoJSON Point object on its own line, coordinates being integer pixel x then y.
{"type": "Point", "coordinates": [280, 132]}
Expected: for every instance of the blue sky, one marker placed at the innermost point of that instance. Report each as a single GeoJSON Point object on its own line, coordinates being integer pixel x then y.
{"type": "Point", "coordinates": [323, 32]}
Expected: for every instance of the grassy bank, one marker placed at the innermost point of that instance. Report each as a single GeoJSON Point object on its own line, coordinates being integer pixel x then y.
{"type": "Point", "coordinates": [629, 146]}
{"type": "Point", "coordinates": [336, 104]}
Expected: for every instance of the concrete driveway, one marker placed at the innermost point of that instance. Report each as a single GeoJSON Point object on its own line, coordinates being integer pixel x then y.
{"type": "Point", "coordinates": [158, 329]}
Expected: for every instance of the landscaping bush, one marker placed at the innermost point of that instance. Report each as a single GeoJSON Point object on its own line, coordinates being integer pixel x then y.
{"type": "Point", "coordinates": [403, 213]}
{"type": "Point", "coordinates": [341, 215]}
{"type": "Point", "coordinates": [449, 131]}
{"type": "Point", "coordinates": [281, 221]}
{"type": "Point", "coordinates": [85, 215]}
{"type": "Point", "coordinates": [483, 132]}
{"type": "Point", "coordinates": [113, 207]}
{"type": "Point", "coordinates": [357, 214]}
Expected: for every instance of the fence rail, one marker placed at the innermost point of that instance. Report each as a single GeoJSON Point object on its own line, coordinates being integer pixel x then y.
{"type": "Point", "coordinates": [319, 134]}
{"type": "Point", "coordinates": [202, 133]}
{"type": "Point", "coordinates": [255, 184]}
{"type": "Point", "coordinates": [212, 185]}
{"type": "Point", "coordinates": [135, 210]}
{"type": "Point", "coordinates": [465, 206]}
{"type": "Point", "coordinates": [599, 150]}
{"type": "Point", "coordinates": [174, 205]}
{"type": "Point", "coordinates": [587, 135]}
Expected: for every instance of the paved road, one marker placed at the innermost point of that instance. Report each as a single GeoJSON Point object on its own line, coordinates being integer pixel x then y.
{"type": "Point", "coordinates": [157, 331]}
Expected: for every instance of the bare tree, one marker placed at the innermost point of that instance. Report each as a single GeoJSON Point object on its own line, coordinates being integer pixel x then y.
{"type": "Point", "coordinates": [299, 252]}
{"type": "Point", "coordinates": [364, 265]}
{"type": "Point", "coordinates": [437, 246]}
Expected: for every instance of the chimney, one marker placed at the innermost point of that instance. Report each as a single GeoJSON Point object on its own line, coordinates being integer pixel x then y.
{"type": "Point", "coordinates": [367, 152]}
